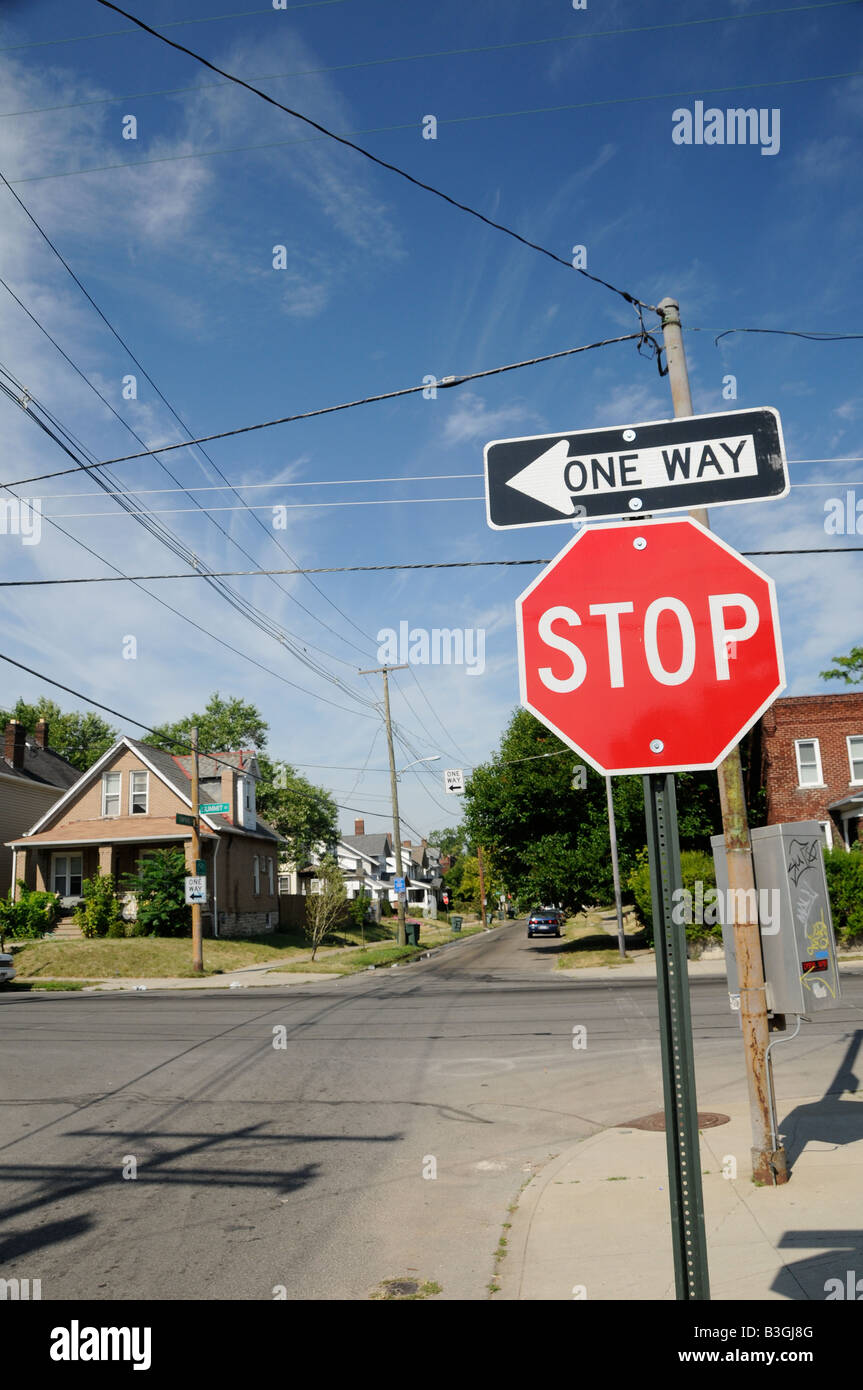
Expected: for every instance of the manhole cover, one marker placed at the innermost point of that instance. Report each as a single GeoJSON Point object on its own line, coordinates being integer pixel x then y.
{"type": "Point", "coordinates": [707, 1119]}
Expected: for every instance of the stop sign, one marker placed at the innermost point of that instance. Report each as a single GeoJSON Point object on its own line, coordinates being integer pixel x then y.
{"type": "Point", "coordinates": [649, 646]}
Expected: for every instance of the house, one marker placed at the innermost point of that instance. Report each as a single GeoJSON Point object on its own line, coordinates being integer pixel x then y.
{"type": "Point", "coordinates": [368, 865]}
{"type": "Point", "coordinates": [32, 778]}
{"type": "Point", "coordinates": [810, 752]}
{"type": "Point", "coordinates": [127, 804]}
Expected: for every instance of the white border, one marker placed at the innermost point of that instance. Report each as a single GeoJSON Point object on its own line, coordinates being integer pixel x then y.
{"type": "Point", "coordinates": [632, 529]}
{"type": "Point", "coordinates": [679, 507]}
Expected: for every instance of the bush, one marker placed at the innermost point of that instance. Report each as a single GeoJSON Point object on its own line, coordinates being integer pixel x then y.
{"type": "Point", "coordinates": [98, 913]}
{"type": "Point", "coordinates": [387, 909]}
{"type": "Point", "coordinates": [159, 887]}
{"type": "Point", "coordinates": [358, 909]}
{"type": "Point", "coordinates": [844, 870]}
{"type": "Point", "coordinates": [696, 867]}
{"type": "Point", "coordinates": [31, 916]}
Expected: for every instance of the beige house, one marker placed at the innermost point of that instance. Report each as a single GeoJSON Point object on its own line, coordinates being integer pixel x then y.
{"type": "Point", "coordinates": [127, 803]}
{"type": "Point", "coordinates": [32, 778]}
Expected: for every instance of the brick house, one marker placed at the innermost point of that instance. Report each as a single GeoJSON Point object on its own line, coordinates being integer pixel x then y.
{"type": "Point", "coordinates": [127, 803]}
{"type": "Point", "coordinates": [810, 749]}
{"type": "Point", "coordinates": [32, 778]}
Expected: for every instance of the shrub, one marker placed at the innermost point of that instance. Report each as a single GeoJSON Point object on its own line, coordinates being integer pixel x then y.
{"type": "Point", "coordinates": [159, 887]}
{"type": "Point", "coordinates": [844, 870]}
{"type": "Point", "coordinates": [98, 913]}
{"type": "Point", "coordinates": [31, 916]}
{"type": "Point", "coordinates": [358, 909]}
{"type": "Point", "coordinates": [387, 909]}
{"type": "Point", "coordinates": [696, 867]}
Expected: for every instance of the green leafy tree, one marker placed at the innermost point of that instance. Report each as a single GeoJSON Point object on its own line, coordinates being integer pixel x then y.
{"type": "Point", "coordinates": [79, 738]}
{"type": "Point", "coordinates": [846, 668]}
{"type": "Point", "coordinates": [98, 913]}
{"type": "Point", "coordinates": [449, 841]}
{"type": "Point", "coordinates": [844, 871]}
{"type": "Point", "coordinates": [304, 814]}
{"type": "Point", "coordinates": [30, 917]}
{"type": "Point", "coordinates": [325, 909]}
{"type": "Point", "coordinates": [224, 725]}
{"type": "Point", "coordinates": [160, 890]}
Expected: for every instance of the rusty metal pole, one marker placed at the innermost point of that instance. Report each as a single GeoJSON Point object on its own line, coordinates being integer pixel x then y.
{"type": "Point", "coordinates": [768, 1164]}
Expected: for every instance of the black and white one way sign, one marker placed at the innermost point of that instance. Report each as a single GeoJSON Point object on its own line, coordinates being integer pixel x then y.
{"type": "Point", "coordinates": [633, 470]}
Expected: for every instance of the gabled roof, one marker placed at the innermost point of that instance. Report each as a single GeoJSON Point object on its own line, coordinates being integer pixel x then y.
{"type": "Point", "coordinates": [42, 765]}
{"type": "Point", "coordinates": [372, 845]}
{"type": "Point", "coordinates": [166, 767]}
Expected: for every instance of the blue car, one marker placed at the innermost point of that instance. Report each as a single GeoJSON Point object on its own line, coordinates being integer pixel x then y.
{"type": "Point", "coordinates": [544, 922]}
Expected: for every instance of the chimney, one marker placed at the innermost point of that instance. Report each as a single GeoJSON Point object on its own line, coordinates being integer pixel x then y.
{"type": "Point", "coordinates": [406, 844]}
{"type": "Point", "coordinates": [42, 734]}
{"type": "Point", "coordinates": [16, 742]}
{"type": "Point", "coordinates": [229, 792]}
{"type": "Point", "coordinates": [424, 844]}
{"type": "Point", "coordinates": [359, 827]}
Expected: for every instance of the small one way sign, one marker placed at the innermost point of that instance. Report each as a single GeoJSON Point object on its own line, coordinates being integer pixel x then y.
{"type": "Point", "coordinates": [635, 470]}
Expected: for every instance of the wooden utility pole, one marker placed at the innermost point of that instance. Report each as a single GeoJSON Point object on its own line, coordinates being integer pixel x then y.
{"type": "Point", "coordinates": [394, 791]}
{"type": "Point", "coordinates": [481, 884]}
{"type": "Point", "coordinates": [197, 934]}
{"type": "Point", "coordinates": [768, 1163]}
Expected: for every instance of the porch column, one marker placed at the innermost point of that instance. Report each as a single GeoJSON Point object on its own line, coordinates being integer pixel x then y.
{"type": "Point", "coordinates": [106, 860]}
{"type": "Point", "coordinates": [41, 870]}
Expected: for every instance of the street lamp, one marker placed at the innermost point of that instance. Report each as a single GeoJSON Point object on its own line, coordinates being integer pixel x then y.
{"type": "Point", "coordinates": [434, 759]}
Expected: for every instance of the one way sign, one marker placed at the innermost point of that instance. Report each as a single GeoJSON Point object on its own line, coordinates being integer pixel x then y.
{"type": "Point", "coordinates": [633, 470]}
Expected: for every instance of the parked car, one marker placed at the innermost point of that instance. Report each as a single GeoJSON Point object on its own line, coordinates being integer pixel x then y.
{"type": "Point", "coordinates": [543, 922]}
{"type": "Point", "coordinates": [7, 969]}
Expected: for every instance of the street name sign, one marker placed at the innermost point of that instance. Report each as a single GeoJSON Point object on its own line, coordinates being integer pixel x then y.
{"type": "Point", "coordinates": [626, 470]}
{"type": "Point", "coordinates": [182, 819]}
{"type": "Point", "coordinates": [453, 780]}
{"type": "Point", "coordinates": [214, 807]}
{"type": "Point", "coordinates": [649, 647]}
{"type": "Point", "coordinates": [196, 888]}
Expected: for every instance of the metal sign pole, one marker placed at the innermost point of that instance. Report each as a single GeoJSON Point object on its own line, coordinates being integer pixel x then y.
{"type": "Point", "coordinates": [675, 1032]}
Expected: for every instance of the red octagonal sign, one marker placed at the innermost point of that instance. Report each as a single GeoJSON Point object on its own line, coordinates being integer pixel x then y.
{"type": "Point", "coordinates": [649, 647]}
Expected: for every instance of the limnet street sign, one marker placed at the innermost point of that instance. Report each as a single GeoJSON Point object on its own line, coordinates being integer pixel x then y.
{"type": "Point", "coordinates": [626, 470]}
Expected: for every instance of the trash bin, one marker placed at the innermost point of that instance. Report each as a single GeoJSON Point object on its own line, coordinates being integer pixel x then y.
{"type": "Point", "coordinates": [500, 914]}
{"type": "Point", "coordinates": [455, 923]}
{"type": "Point", "coordinates": [412, 933]}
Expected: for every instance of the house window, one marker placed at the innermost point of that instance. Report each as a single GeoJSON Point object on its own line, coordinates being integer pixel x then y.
{"type": "Point", "coordinates": [270, 876]}
{"type": "Point", "coordinates": [808, 762]}
{"type": "Point", "coordinates": [111, 793]}
{"type": "Point", "coordinates": [66, 875]}
{"type": "Point", "coordinates": [256, 874]}
{"type": "Point", "coordinates": [138, 790]}
{"type": "Point", "coordinates": [855, 757]}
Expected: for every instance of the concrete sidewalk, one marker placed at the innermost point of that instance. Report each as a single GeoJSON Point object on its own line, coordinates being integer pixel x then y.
{"type": "Point", "coordinates": [597, 1217]}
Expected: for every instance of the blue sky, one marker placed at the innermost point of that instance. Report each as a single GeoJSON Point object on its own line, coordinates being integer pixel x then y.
{"type": "Point", "coordinates": [385, 285]}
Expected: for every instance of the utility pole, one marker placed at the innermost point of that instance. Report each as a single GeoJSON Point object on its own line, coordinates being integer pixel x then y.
{"type": "Point", "coordinates": [397, 833]}
{"type": "Point", "coordinates": [615, 870]}
{"type": "Point", "coordinates": [197, 935]}
{"type": "Point", "coordinates": [768, 1164]}
{"type": "Point", "coordinates": [481, 884]}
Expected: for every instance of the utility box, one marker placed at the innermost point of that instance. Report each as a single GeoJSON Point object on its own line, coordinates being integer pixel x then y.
{"type": "Point", "coordinates": [797, 943]}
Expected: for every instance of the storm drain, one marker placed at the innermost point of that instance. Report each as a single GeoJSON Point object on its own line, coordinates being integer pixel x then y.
{"type": "Point", "coordinates": [707, 1119]}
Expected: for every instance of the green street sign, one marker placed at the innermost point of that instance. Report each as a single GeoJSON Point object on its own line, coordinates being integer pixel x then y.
{"type": "Point", "coordinates": [184, 820]}
{"type": "Point", "coordinates": [214, 808]}
{"type": "Point", "coordinates": [201, 867]}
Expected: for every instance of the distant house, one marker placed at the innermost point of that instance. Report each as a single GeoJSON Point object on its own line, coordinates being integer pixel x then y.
{"type": "Point", "coordinates": [126, 804]}
{"type": "Point", "coordinates": [368, 865]}
{"type": "Point", "coordinates": [810, 750]}
{"type": "Point", "coordinates": [32, 778]}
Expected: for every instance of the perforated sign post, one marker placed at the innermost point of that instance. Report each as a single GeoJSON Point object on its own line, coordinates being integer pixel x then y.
{"type": "Point", "coordinates": [651, 647]}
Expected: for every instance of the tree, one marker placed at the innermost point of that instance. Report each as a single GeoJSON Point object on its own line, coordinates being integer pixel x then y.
{"type": "Point", "coordinates": [324, 908]}
{"type": "Point", "coordinates": [159, 887]}
{"type": "Point", "coordinates": [79, 738]}
{"type": "Point", "coordinates": [850, 668]}
{"type": "Point", "coordinates": [224, 725]}
{"type": "Point", "coordinates": [304, 814]}
{"type": "Point", "coordinates": [449, 842]}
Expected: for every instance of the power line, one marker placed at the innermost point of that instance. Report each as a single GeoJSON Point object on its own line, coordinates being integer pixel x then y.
{"type": "Point", "coordinates": [382, 163]}
{"type": "Point", "coordinates": [445, 121]}
{"type": "Point", "coordinates": [169, 24]}
{"type": "Point", "coordinates": [441, 384]}
{"type": "Point", "coordinates": [361, 569]}
{"type": "Point", "coordinates": [417, 57]}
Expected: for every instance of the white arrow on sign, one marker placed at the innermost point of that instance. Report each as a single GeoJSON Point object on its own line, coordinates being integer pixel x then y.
{"type": "Point", "coordinates": [543, 480]}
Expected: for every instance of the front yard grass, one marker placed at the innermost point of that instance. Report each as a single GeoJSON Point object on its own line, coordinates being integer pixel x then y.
{"type": "Point", "coordinates": [147, 957]}
{"type": "Point", "coordinates": [584, 944]}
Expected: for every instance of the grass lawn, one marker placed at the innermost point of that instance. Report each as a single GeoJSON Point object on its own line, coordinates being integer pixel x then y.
{"type": "Point", "coordinates": [146, 957]}
{"type": "Point", "coordinates": [585, 944]}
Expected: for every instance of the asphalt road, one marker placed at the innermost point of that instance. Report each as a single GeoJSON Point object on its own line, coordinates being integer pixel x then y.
{"type": "Point", "coordinates": [306, 1167]}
